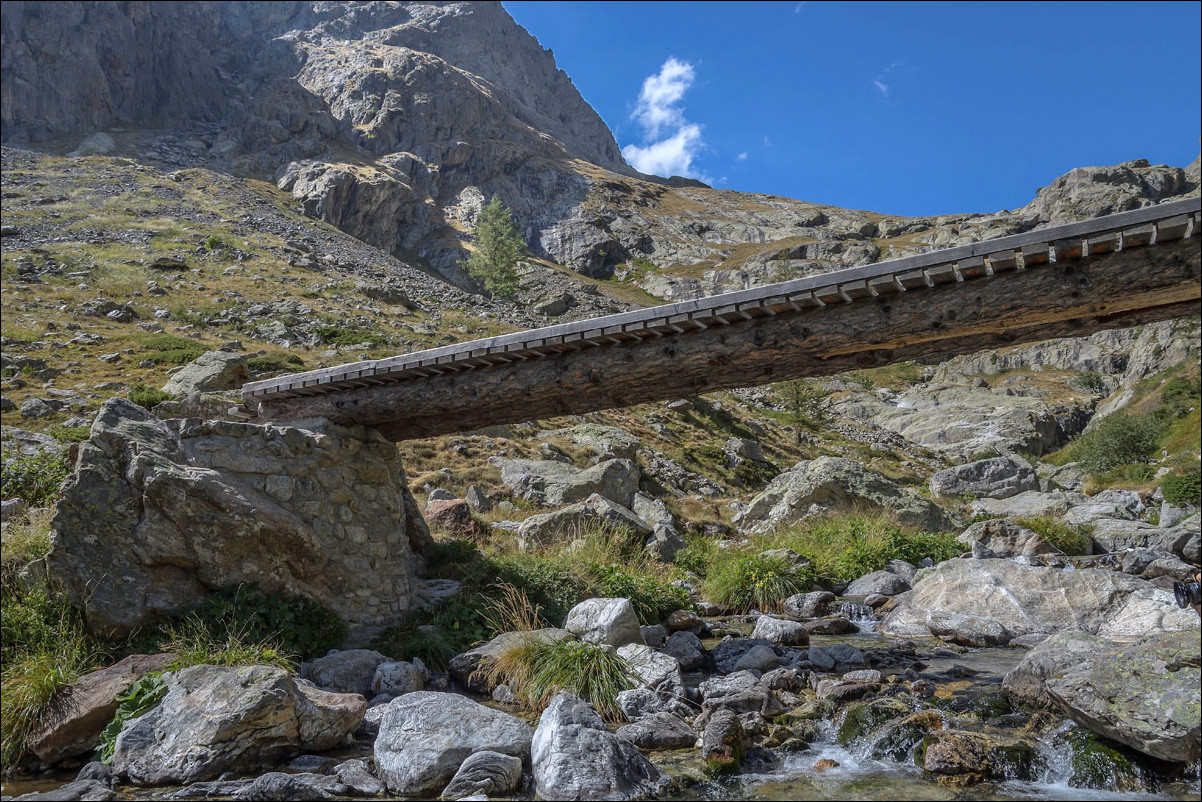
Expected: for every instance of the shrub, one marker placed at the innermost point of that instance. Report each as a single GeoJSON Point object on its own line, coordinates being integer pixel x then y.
{"type": "Point", "coordinates": [538, 670]}
{"type": "Point", "coordinates": [1118, 440]}
{"type": "Point", "coordinates": [1181, 489]}
{"type": "Point", "coordinates": [745, 581]}
{"type": "Point", "coordinates": [141, 696]}
{"type": "Point", "coordinates": [36, 478]}
{"type": "Point", "coordinates": [1067, 538]}
{"type": "Point", "coordinates": [274, 364]}
{"type": "Point", "coordinates": [301, 626]}
{"type": "Point", "coordinates": [148, 397]}
{"type": "Point", "coordinates": [653, 598]}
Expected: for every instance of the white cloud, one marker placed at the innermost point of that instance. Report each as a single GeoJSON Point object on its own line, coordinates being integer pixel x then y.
{"type": "Point", "coordinates": [879, 81]}
{"type": "Point", "coordinates": [797, 8]}
{"type": "Point", "coordinates": [670, 142]}
{"type": "Point", "coordinates": [741, 157]}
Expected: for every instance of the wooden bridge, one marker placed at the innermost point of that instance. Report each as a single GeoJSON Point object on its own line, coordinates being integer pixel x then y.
{"type": "Point", "coordinates": [1068, 280]}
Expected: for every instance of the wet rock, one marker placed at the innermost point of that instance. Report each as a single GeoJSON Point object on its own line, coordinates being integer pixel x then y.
{"type": "Point", "coordinates": [347, 671]}
{"type": "Point", "coordinates": [607, 621]}
{"type": "Point", "coordinates": [967, 630]}
{"type": "Point", "coordinates": [276, 786]}
{"type": "Point", "coordinates": [575, 757]}
{"type": "Point", "coordinates": [723, 742]}
{"type": "Point", "coordinates": [485, 773]}
{"type": "Point", "coordinates": [836, 625]}
{"type": "Point", "coordinates": [426, 736]}
{"type": "Point", "coordinates": [864, 718]}
{"type": "Point", "coordinates": [804, 606]}
{"type": "Point", "coordinates": [77, 790]}
{"type": "Point", "coordinates": [659, 731]}
{"type": "Point", "coordinates": [355, 775]}
{"type": "Point", "coordinates": [216, 719]}
{"type": "Point", "coordinates": [781, 631]}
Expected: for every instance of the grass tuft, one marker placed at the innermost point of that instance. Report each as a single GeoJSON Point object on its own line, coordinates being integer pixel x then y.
{"type": "Point", "coordinates": [536, 671]}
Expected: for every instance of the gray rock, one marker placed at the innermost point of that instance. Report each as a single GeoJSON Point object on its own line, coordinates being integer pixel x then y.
{"type": "Point", "coordinates": [144, 500]}
{"type": "Point", "coordinates": [606, 621]}
{"type": "Point", "coordinates": [638, 703]}
{"type": "Point", "coordinates": [833, 625]}
{"type": "Point", "coordinates": [13, 509]}
{"type": "Point", "coordinates": [1049, 658]}
{"type": "Point", "coordinates": [659, 731]}
{"type": "Point", "coordinates": [723, 742]}
{"type": "Point", "coordinates": [902, 568]}
{"type": "Point", "coordinates": [1000, 477]}
{"type": "Point", "coordinates": [439, 494]}
{"type": "Point", "coordinates": [1005, 538]}
{"type": "Point", "coordinates": [349, 671]}
{"type": "Point", "coordinates": [817, 486]}
{"type": "Point", "coordinates": [575, 757]}
{"type": "Point", "coordinates": [655, 635]}
{"type": "Point", "coordinates": [276, 786]}
{"type": "Point", "coordinates": [426, 736]}
{"type": "Point", "coordinates": [370, 727]}
{"type": "Point", "coordinates": [761, 658]}
{"type": "Point", "coordinates": [36, 408]}
{"type": "Point", "coordinates": [216, 719]}
{"type": "Point", "coordinates": [572, 521]}
{"type": "Point", "coordinates": [1028, 504]}
{"type": "Point", "coordinates": [884, 583]}
{"type": "Point", "coordinates": [968, 630]}
{"type": "Point", "coordinates": [488, 773]}
{"type": "Point", "coordinates": [554, 483]}
{"type": "Point", "coordinates": [804, 606]}
{"type": "Point", "coordinates": [686, 648]}
{"type": "Point", "coordinates": [780, 631]}
{"type": "Point", "coordinates": [836, 656]}
{"type": "Point", "coordinates": [1025, 599]}
{"type": "Point", "coordinates": [77, 790]}
{"type": "Point", "coordinates": [98, 144]}
{"type": "Point", "coordinates": [210, 372]}
{"type": "Point", "coordinates": [397, 678]}
{"type": "Point", "coordinates": [655, 670]}
{"type": "Point", "coordinates": [355, 775]}
{"type": "Point", "coordinates": [740, 692]}
{"type": "Point", "coordinates": [477, 499]}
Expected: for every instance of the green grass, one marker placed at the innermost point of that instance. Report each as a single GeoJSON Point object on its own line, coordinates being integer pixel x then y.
{"type": "Point", "coordinates": [148, 397]}
{"type": "Point", "coordinates": [742, 581]}
{"type": "Point", "coordinates": [536, 671]}
{"type": "Point", "coordinates": [1069, 539]}
{"type": "Point", "coordinates": [36, 478]}
{"type": "Point", "coordinates": [1183, 488]}
{"type": "Point", "coordinates": [195, 642]}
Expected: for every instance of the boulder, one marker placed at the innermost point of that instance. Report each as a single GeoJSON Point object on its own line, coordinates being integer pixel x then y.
{"type": "Point", "coordinates": [655, 670]}
{"type": "Point", "coordinates": [638, 703]}
{"type": "Point", "coordinates": [576, 519]}
{"type": "Point", "coordinates": [575, 757]}
{"type": "Point", "coordinates": [398, 678]}
{"type": "Point", "coordinates": [81, 711]}
{"type": "Point", "coordinates": [761, 657]}
{"type": "Point", "coordinates": [486, 773]}
{"type": "Point", "coordinates": [1028, 504]}
{"type": "Point", "coordinates": [781, 631]}
{"type": "Point", "coordinates": [208, 373]}
{"type": "Point", "coordinates": [883, 583]}
{"type": "Point", "coordinates": [554, 483]}
{"type": "Point", "coordinates": [348, 671]}
{"type": "Point", "coordinates": [840, 656]}
{"type": "Point", "coordinates": [659, 731]}
{"type": "Point", "coordinates": [179, 509]}
{"type": "Point", "coordinates": [215, 719]}
{"type": "Point", "coordinates": [729, 652]}
{"type": "Point", "coordinates": [741, 692]}
{"type": "Point", "coordinates": [834, 625]}
{"type": "Point", "coordinates": [723, 742]}
{"type": "Point", "coordinates": [454, 517]}
{"type": "Point", "coordinates": [902, 568]}
{"type": "Point", "coordinates": [1143, 694]}
{"type": "Point", "coordinates": [999, 477]}
{"type": "Point", "coordinates": [607, 621]}
{"type": "Point", "coordinates": [804, 606]}
{"type": "Point", "coordinates": [687, 649]}
{"type": "Point", "coordinates": [1028, 599]}
{"type": "Point", "coordinates": [606, 441]}
{"type": "Point", "coordinates": [1005, 538]}
{"type": "Point", "coordinates": [815, 487]}
{"type": "Point", "coordinates": [1051, 658]}
{"type": "Point", "coordinates": [463, 667]}
{"type": "Point", "coordinates": [968, 630]}
{"type": "Point", "coordinates": [426, 736]}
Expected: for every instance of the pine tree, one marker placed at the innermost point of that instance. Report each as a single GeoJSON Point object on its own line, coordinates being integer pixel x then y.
{"type": "Point", "coordinates": [499, 248]}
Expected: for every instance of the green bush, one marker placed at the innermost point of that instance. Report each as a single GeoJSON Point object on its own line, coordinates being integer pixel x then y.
{"type": "Point", "coordinates": [1069, 539]}
{"type": "Point", "coordinates": [697, 555]}
{"type": "Point", "coordinates": [845, 547]}
{"type": "Point", "coordinates": [1181, 489]}
{"type": "Point", "coordinates": [536, 671]}
{"type": "Point", "coordinates": [141, 696]}
{"type": "Point", "coordinates": [742, 581]}
{"type": "Point", "coordinates": [36, 478]}
{"type": "Point", "coordinates": [1118, 440]}
{"type": "Point", "coordinates": [302, 626]}
{"type": "Point", "coordinates": [653, 598]}
{"type": "Point", "coordinates": [148, 397]}
{"type": "Point", "coordinates": [341, 335]}
{"type": "Point", "coordinates": [499, 249]}
{"type": "Point", "coordinates": [274, 364]}
{"type": "Point", "coordinates": [1178, 396]}
{"type": "Point", "coordinates": [170, 349]}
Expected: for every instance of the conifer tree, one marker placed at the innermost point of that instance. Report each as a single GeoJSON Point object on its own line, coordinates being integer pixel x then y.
{"type": "Point", "coordinates": [499, 248]}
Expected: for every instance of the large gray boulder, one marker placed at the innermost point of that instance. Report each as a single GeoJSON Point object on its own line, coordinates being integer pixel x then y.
{"type": "Point", "coordinates": [781, 631]}
{"type": "Point", "coordinates": [1035, 600]}
{"type": "Point", "coordinates": [488, 773]}
{"type": "Point", "coordinates": [554, 483]}
{"type": "Point", "coordinates": [1027, 504]}
{"type": "Point", "coordinates": [575, 757]}
{"type": "Point", "coordinates": [426, 736]}
{"type": "Point", "coordinates": [348, 671]}
{"type": "Point", "coordinates": [1005, 538]}
{"type": "Point", "coordinates": [612, 622]}
{"type": "Point", "coordinates": [161, 513]}
{"type": "Point", "coordinates": [216, 719]}
{"type": "Point", "coordinates": [659, 731]}
{"type": "Point", "coordinates": [884, 583]}
{"type": "Point", "coordinates": [1144, 694]}
{"type": "Point", "coordinates": [655, 670]}
{"type": "Point", "coordinates": [815, 487]}
{"type": "Point", "coordinates": [211, 372]}
{"type": "Point", "coordinates": [575, 520]}
{"type": "Point", "coordinates": [999, 477]}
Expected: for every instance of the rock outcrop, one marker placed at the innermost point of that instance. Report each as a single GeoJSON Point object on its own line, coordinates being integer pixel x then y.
{"type": "Point", "coordinates": [161, 513]}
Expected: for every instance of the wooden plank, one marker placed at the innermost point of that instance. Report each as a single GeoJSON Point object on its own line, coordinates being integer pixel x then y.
{"type": "Point", "coordinates": [972, 267]}
{"type": "Point", "coordinates": [1035, 255]}
{"type": "Point", "coordinates": [941, 274]}
{"type": "Point", "coordinates": [1002, 261]}
{"type": "Point", "coordinates": [886, 285]}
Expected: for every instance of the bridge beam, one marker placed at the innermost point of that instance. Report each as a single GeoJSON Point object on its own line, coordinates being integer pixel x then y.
{"type": "Point", "coordinates": [1074, 297]}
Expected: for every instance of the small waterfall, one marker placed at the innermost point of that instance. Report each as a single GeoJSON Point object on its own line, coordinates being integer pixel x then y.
{"type": "Point", "coordinates": [861, 615]}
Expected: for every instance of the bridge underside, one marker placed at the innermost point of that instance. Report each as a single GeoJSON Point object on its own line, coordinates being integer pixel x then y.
{"type": "Point", "coordinates": [1057, 299]}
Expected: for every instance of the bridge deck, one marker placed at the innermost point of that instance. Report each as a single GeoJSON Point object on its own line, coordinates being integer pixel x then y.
{"type": "Point", "coordinates": [359, 392]}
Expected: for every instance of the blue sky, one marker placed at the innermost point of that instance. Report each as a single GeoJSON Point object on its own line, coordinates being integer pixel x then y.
{"type": "Point", "coordinates": [902, 108]}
